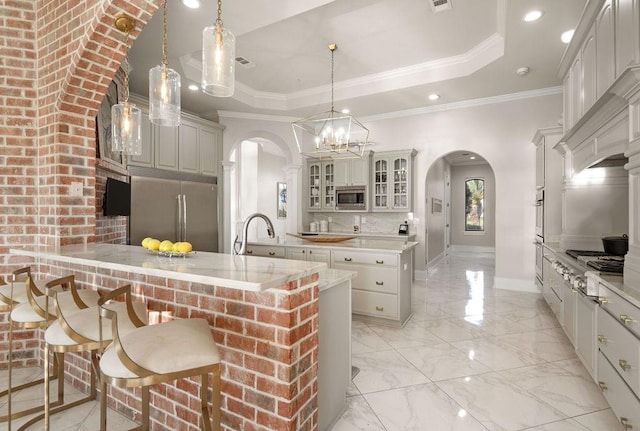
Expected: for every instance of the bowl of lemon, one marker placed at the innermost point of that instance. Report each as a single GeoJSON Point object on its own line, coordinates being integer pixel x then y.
{"type": "Point", "coordinates": [166, 247]}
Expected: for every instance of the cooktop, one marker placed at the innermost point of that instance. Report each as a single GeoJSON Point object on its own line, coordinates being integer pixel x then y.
{"type": "Point", "coordinates": [576, 253]}
{"type": "Point", "coordinates": [607, 265]}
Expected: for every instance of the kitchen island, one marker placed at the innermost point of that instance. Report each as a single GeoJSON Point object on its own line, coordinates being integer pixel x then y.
{"type": "Point", "coordinates": [264, 315]}
{"type": "Point", "coordinates": [382, 291]}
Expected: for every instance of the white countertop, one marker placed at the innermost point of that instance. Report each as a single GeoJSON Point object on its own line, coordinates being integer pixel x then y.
{"type": "Point", "coordinates": [390, 245]}
{"type": "Point", "coordinates": [236, 272]}
{"type": "Point", "coordinates": [332, 277]}
{"type": "Point", "coordinates": [365, 234]}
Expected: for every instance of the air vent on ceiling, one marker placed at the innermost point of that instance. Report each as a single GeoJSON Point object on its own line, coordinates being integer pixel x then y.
{"type": "Point", "coordinates": [247, 64]}
{"type": "Point", "coordinates": [440, 5]}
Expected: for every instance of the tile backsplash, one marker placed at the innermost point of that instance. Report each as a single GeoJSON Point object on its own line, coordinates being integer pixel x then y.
{"type": "Point", "coordinates": [383, 223]}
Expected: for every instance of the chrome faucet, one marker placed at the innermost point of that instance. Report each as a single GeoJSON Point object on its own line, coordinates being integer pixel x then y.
{"type": "Point", "coordinates": [245, 232]}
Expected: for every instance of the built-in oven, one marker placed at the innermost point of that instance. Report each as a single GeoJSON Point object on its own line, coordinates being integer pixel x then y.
{"type": "Point", "coordinates": [351, 198]}
{"type": "Point", "coordinates": [540, 213]}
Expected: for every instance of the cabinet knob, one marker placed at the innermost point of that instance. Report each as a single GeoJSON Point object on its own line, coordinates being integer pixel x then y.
{"type": "Point", "coordinates": [379, 262]}
{"type": "Point", "coordinates": [626, 319]}
{"type": "Point", "coordinates": [602, 339]}
{"type": "Point", "coordinates": [379, 308]}
{"type": "Point", "coordinates": [603, 386]}
{"type": "Point", "coordinates": [625, 423]}
{"type": "Point", "coordinates": [624, 365]}
{"type": "Point", "coordinates": [310, 251]}
{"type": "Point", "coordinates": [347, 259]}
{"type": "Point", "coordinates": [602, 300]}
{"type": "Point", "coordinates": [304, 251]}
{"type": "Point", "coordinates": [272, 253]}
{"type": "Point", "coordinates": [379, 283]}
{"type": "Point", "coordinates": [249, 251]}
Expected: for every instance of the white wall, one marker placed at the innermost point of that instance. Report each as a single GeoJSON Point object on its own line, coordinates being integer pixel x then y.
{"type": "Point", "coordinates": [500, 132]}
{"type": "Point", "coordinates": [459, 174]}
{"type": "Point", "coordinates": [435, 222]}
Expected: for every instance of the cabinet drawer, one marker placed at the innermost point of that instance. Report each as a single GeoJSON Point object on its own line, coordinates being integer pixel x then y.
{"type": "Point", "coordinates": [621, 347]}
{"type": "Point", "coordinates": [622, 401]}
{"type": "Point", "coordinates": [375, 304]}
{"type": "Point", "coordinates": [373, 279]}
{"type": "Point", "coordinates": [265, 250]}
{"type": "Point", "coordinates": [627, 313]}
{"type": "Point", "coordinates": [345, 256]}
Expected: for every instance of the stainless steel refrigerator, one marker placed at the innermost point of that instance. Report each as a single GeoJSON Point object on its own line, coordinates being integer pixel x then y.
{"type": "Point", "coordinates": [174, 206]}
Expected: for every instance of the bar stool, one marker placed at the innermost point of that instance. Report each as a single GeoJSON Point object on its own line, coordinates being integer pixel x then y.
{"type": "Point", "coordinates": [81, 330]}
{"type": "Point", "coordinates": [156, 354]}
{"type": "Point", "coordinates": [38, 312]}
{"type": "Point", "coordinates": [15, 292]}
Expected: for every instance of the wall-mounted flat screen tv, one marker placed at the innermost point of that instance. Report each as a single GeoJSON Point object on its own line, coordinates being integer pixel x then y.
{"type": "Point", "coordinates": [117, 198]}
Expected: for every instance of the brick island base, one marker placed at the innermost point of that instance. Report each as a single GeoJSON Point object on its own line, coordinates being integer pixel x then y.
{"type": "Point", "coordinates": [268, 342]}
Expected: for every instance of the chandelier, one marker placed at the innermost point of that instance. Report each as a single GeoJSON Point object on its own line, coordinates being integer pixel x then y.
{"type": "Point", "coordinates": [331, 134]}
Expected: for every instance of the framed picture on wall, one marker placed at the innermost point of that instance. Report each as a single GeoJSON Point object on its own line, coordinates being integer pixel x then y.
{"type": "Point", "coordinates": [103, 126]}
{"type": "Point", "coordinates": [282, 200]}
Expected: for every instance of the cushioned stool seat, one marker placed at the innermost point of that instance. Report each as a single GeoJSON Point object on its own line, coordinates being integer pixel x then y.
{"type": "Point", "coordinates": [154, 354]}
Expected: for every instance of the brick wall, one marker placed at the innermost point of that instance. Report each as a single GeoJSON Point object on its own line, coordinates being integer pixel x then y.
{"type": "Point", "coordinates": [268, 342]}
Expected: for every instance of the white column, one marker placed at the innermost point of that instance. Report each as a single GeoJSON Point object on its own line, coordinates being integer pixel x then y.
{"type": "Point", "coordinates": [294, 202]}
{"type": "Point", "coordinates": [229, 205]}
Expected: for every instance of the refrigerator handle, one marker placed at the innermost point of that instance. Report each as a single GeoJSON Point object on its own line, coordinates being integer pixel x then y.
{"type": "Point", "coordinates": [184, 218]}
{"type": "Point", "coordinates": [179, 220]}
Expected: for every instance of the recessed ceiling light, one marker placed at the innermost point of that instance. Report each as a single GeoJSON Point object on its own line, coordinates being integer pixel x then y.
{"type": "Point", "coordinates": [472, 157]}
{"type": "Point", "coordinates": [567, 36]}
{"type": "Point", "coordinates": [193, 87]}
{"type": "Point", "coordinates": [533, 15]}
{"type": "Point", "coordinates": [345, 111]}
{"type": "Point", "coordinates": [522, 71]}
{"type": "Point", "coordinates": [434, 96]}
{"type": "Point", "coordinates": [193, 4]}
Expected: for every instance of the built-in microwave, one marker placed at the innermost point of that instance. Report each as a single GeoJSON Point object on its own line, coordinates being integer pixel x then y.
{"type": "Point", "coordinates": [351, 198]}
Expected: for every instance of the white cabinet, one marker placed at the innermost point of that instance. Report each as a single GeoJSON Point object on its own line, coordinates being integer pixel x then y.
{"type": "Point", "coordinates": [266, 250]}
{"type": "Point", "coordinates": [549, 171]}
{"type": "Point", "coordinates": [382, 290]}
{"type": "Point", "coordinates": [188, 153]}
{"type": "Point", "coordinates": [352, 172]}
{"type": "Point", "coordinates": [193, 147]}
{"type": "Point", "coordinates": [585, 344]}
{"type": "Point", "coordinates": [309, 254]}
{"type": "Point", "coordinates": [540, 166]}
{"type": "Point", "coordinates": [320, 185]}
{"type": "Point", "coordinates": [569, 298]}
{"type": "Point", "coordinates": [589, 67]}
{"type": "Point", "coordinates": [605, 48]}
{"type": "Point", "coordinates": [621, 399]}
{"type": "Point", "coordinates": [165, 140]}
{"type": "Point", "coordinates": [626, 33]}
{"type": "Point", "coordinates": [392, 181]}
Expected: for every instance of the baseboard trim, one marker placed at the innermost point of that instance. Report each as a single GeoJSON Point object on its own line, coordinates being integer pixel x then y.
{"type": "Point", "coordinates": [515, 284]}
{"type": "Point", "coordinates": [472, 249]}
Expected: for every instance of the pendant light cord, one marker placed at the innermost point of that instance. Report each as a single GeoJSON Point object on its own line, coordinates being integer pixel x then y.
{"type": "Point", "coordinates": [165, 61]}
{"type": "Point", "coordinates": [332, 48]}
{"type": "Point", "coordinates": [219, 19]}
{"type": "Point", "coordinates": [126, 68]}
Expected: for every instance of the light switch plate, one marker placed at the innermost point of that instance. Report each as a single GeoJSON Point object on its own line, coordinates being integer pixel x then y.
{"type": "Point", "coordinates": [76, 189]}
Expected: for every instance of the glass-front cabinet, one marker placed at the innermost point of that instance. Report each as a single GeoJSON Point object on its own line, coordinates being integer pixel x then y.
{"type": "Point", "coordinates": [392, 180]}
{"type": "Point", "coordinates": [321, 185]}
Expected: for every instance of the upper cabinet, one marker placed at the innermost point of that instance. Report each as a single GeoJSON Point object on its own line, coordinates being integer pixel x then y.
{"type": "Point", "coordinates": [321, 185]}
{"type": "Point", "coordinates": [392, 181]}
{"type": "Point", "coordinates": [600, 78]}
{"type": "Point", "coordinates": [193, 147]}
{"type": "Point", "coordinates": [352, 172]}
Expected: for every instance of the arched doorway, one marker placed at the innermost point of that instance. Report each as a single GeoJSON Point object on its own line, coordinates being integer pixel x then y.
{"type": "Point", "coordinates": [460, 203]}
{"type": "Point", "coordinates": [259, 177]}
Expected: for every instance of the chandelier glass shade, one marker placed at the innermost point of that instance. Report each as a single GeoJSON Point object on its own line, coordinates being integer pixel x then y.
{"type": "Point", "coordinates": [218, 59]}
{"type": "Point", "coordinates": [164, 87]}
{"type": "Point", "coordinates": [331, 134]}
{"type": "Point", "coordinates": [126, 118]}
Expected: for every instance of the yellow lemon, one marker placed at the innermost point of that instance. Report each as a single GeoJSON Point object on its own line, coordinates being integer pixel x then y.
{"type": "Point", "coordinates": [153, 244]}
{"type": "Point", "coordinates": [176, 246]}
{"type": "Point", "coordinates": [184, 247]}
{"type": "Point", "coordinates": [145, 242]}
{"type": "Point", "coordinates": [166, 245]}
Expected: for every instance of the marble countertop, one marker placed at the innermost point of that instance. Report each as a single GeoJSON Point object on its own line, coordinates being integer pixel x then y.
{"type": "Point", "coordinates": [389, 245]}
{"type": "Point", "coordinates": [238, 272]}
{"type": "Point", "coordinates": [366, 234]}
{"type": "Point", "coordinates": [332, 277]}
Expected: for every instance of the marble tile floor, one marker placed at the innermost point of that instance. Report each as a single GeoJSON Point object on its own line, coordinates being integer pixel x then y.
{"type": "Point", "coordinates": [472, 358]}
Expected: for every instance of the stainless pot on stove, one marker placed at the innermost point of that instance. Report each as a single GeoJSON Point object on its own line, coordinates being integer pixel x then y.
{"type": "Point", "coordinates": [616, 245]}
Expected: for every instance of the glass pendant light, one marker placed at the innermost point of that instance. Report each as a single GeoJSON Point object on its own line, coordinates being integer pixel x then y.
{"type": "Point", "coordinates": [218, 59]}
{"type": "Point", "coordinates": [164, 87]}
{"type": "Point", "coordinates": [126, 118]}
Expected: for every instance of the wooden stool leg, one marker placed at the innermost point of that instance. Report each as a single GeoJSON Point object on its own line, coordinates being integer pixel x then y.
{"type": "Point", "coordinates": [146, 400]}
{"type": "Point", "coordinates": [10, 371]}
{"type": "Point", "coordinates": [103, 403]}
{"type": "Point", "coordinates": [204, 407]}
{"type": "Point", "coordinates": [216, 398]}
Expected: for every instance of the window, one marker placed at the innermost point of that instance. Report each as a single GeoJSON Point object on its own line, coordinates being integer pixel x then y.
{"type": "Point", "coordinates": [474, 205]}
